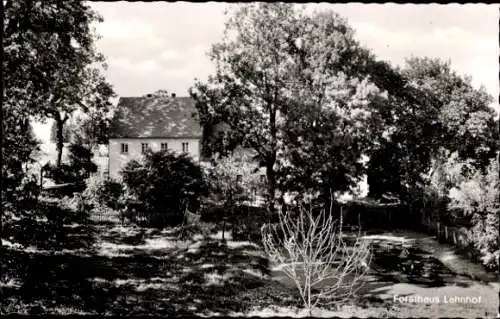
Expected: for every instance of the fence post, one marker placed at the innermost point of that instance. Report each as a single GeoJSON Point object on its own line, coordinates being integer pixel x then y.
{"type": "Point", "coordinates": [41, 178]}
{"type": "Point", "coordinates": [438, 234]}
{"type": "Point", "coordinates": [446, 233]}
{"type": "Point", "coordinates": [454, 237]}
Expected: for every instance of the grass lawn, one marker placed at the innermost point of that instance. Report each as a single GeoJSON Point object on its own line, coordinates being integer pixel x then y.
{"type": "Point", "coordinates": [109, 269]}
{"type": "Point", "coordinates": [102, 268]}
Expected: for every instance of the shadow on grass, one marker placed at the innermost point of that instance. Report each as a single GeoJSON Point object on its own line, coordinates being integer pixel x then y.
{"type": "Point", "coordinates": [205, 278]}
{"type": "Point", "coordinates": [49, 226]}
{"type": "Point", "coordinates": [71, 280]}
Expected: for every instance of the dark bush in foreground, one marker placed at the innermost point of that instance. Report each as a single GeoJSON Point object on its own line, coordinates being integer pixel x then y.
{"type": "Point", "coordinates": [60, 175]}
{"type": "Point", "coordinates": [165, 185]}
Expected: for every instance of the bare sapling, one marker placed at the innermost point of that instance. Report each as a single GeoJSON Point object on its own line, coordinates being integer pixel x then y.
{"type": "Point", "coordinates": [311, 250]}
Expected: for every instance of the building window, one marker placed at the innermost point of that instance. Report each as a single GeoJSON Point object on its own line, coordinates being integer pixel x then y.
{"type": "Point", "coordinates": [185, 147]}
{"type": "Point", "coordinates": [164, 147]}
{"type": "Point", "coordinates": [144, 147]}
{"type": "Point", "coordinates": [124, 148]}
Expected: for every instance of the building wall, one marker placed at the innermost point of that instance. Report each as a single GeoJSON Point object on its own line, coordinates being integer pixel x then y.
{"type": "Point", "coordinates": [117, 160]}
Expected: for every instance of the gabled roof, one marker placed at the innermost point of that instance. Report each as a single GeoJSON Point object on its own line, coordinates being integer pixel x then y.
{"type": "Point", "coordinates": [154, 116]}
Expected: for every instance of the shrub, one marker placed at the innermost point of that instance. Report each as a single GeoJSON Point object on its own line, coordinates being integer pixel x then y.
{"type": "Point", "coordinates": [232, 179]}
{"type": "Point", "coordinates": [311, 250]}
{"type": "Point", "coordinates": [20, 148]}
{"type": "Point", "coordinates": [28, 192]}
{"type": "Point", "coordinates": [478, 196]}
{"type": "Point", "coordinates": [80, 159]}
{"type": "Point", "coordinates": [77, 206]}
{"type": "Point", "coordinates": [247, 223]}
{"type": "Point", "coordinates": [165, 185]}
{"type": "Point", "coordinates": [59, 174]}
{"type": "Point", "coordinates": [103, 192]}
{"type": "Point", "coordinates": [213, 213]}
{"type": "Point", "coordinates": [232, 182]}
{"type": "Point", "coordinates": [485, 234]}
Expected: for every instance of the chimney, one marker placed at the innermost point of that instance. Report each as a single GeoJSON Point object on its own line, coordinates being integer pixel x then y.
{"type": "Point", "coordinates": [173, 95]}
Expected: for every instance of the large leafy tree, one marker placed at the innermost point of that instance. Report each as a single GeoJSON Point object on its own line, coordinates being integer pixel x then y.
{"type": "Point", "coordinates": [468, 123]}
{"type": "Point", "coordinates": [89, 93]}
{"type": "Point", "coordinates": [87, 129]}
{"type": "Point", "coordinates": [56, 70]}
{"type": "Point", "coordinates": [19, 88]}
{"type": "Point", "coordinates": [333, 106]}
{"type": "Point", "coordinates": [403, 151]}
{"type": "Point", "coordinates": [290, 86]}
{"type": "Point", "coordinates": [437, 112]}
{"type": "Point", "coordinates": [246, 92]}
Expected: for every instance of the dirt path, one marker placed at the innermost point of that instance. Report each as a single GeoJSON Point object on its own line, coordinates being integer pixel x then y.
{"type": "Point", "coordinates": [432, 274]}
{"type": "Point", "coordinates": [445, 253]}
{"type": "Point", "coordinates": [460, 279]}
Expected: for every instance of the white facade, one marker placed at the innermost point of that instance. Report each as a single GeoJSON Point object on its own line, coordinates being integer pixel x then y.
{"type": "Point", "coordinates": [118, 160]}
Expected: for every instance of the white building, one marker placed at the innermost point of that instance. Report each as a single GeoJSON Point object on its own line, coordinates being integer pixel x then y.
{"type": "Point", "coordinates": [155, 123]}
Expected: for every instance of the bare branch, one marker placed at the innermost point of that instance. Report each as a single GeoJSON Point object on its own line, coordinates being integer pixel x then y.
{"type": "Point", "coordinates": [311, 250]}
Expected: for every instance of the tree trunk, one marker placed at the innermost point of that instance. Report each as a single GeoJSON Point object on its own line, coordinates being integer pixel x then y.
{"type": "Point", "coordinates": [60, 140]}
{"type": "Point", "coordinates": [60, 135]}
{"type": "Point", "coordinates": [92, 138]}
{"type": "Point", "coordinates": [271, 160]}
{"type": "Point", "coordinates": [271, 186]}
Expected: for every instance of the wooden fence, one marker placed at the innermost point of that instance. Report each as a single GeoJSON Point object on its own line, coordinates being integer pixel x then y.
{"type": "Point", "coordinates": [452, 235]}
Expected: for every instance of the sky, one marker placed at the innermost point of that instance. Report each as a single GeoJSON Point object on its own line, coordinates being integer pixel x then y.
{"type": "Point", "coordinates": [159, 45]}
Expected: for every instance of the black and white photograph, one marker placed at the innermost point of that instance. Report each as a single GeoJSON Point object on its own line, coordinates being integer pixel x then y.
{"type": "Point", "coordinates": [252, 159]}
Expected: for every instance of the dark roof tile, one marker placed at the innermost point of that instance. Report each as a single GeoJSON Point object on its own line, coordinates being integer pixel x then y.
{"type": "Point", "coordinates": [139, 117]}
